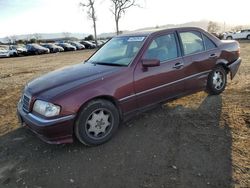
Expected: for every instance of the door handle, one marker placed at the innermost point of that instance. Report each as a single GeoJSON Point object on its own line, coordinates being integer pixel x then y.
{"type": "Point", "coordinates": [212, 56]}
{"type": "Point", "coordinates": [178, 65]}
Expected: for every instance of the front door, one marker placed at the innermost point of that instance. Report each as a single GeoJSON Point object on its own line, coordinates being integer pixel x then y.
{"type": "Point", "coordinates": [156, 84]}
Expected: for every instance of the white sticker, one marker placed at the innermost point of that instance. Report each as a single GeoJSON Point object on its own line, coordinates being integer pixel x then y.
{"type": "Point", "coordinates": [136, 39]}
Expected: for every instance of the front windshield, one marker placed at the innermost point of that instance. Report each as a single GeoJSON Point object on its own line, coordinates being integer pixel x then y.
{"type": "Point", "coordinates": [118, 51]}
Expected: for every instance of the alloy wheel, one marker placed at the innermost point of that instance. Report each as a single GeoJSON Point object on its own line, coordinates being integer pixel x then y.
{"type": "Point", "coordinates": [99, 123]}
{"type": "Point", "coordinates": [218, 80]}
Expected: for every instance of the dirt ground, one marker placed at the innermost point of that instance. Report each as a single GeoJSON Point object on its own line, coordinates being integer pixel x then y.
{"type": "Point", "coordinates": [196, 141]}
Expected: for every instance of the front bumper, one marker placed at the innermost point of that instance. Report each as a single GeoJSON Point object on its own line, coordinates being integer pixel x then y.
{"type": "Point", "coordinates": [52, 131]}
{"type": "Point", "coordinates": [233, 67]}
{"type": "Point", "coordinates": [4, 55]}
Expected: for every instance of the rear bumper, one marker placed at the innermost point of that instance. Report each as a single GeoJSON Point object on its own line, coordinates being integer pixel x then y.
{"type": "Point", "coordinates": [233, 67]}
{"type": "Point", "coordinates": [52, 131]}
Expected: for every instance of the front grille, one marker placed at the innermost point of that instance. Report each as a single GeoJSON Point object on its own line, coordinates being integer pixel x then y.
{"type": "Point", "coordinates": [26, 103]}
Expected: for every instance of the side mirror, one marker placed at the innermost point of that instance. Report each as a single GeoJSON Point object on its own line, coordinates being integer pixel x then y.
{"type": "Point", "coordinates": [150, 62]}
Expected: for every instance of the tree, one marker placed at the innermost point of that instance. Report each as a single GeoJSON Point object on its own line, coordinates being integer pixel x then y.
{"type": "Point", "coordinates": [20, 41]}
{"type": "Point", "coordinates": [91, 14]}
{"type": "Point", "coordinates": [90, 37]}
{"type": "Point", "coordinates": [66, 35]}
{"type": "Point", "coordinates": [213, 27]}
{"type": "Point", "coordinates": [237, 28]}
{"type": "Point", "coordinates": [13, 39]}
{"type": "Point", "coordinates": [8, 39]}
{"type": "Point", "coordinates": [37, 36]}
{"type": "Point", "coordinates": [118, 8]}
{"type": "Point", "coordinates": [33, 40]}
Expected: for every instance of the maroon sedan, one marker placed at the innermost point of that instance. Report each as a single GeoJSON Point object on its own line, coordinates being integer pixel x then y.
{"type": "Point", "coordinates": [128, 74]}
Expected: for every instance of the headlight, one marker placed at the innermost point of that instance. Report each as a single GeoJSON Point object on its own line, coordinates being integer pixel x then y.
{"type": "Point", "coordinates": [46, 109]}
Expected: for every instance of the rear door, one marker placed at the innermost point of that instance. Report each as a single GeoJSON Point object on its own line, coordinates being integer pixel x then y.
{"type": "Point", "coordinates": [199, 55]}
{"type": "Point", "coordinates": [155, 84]}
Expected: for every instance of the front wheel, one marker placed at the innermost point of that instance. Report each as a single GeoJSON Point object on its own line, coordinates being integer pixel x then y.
{"type": "Point", "coordinates": [217, 81]}
{"type": "Point", "coordinates": [97, 122]}
{"type": "Point", "coordinates": [248, 37]}
{"type": "Point", "coordinates": [229, 38]}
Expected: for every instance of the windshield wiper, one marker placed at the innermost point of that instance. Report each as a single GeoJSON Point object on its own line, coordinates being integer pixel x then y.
{"type": "Point", "coordinates": [108, 64]}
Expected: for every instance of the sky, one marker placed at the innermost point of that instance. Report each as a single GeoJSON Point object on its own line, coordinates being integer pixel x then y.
{"type": "Point", "coordinates": [52, 16]}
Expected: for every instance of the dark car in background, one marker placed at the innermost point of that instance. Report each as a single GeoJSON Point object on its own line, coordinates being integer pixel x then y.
{"type": "Point", "coordinates": [36, 49]}
{"type": "Point", "coordinates": [129, 74]}
{"type": "Point", "coordinates": [66, 46]}
{"type": "Point", "coordinates": [78, 45]}
{"type": "Point", "coordinates": [88, 45]}
{"type": "Point", "coordinates": [53, 48]}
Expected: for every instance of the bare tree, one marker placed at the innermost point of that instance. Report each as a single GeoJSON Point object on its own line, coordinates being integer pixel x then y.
{"type": "Point", "coordinates": [37, 36]}
{"type": "Point", "coordinates": [8, 39]}
{"type": "Point", "coordinates": [66, 35]}
{"type": "Point", "coordinates": [237, 28]}
{"type": "Point", "coordinates": [213, 27]}
{"type": "Point", "coordinates": [118, 8]}
{"type": "Point", "coordinates": [90, 6]}
{"type": "Point", "coordinates": [13, 39]}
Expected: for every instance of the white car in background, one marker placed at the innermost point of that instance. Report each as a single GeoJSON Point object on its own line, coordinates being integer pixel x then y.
{"type": "Point", "coordinates": [6, 51]}
{"type": "Point", "coordinates": [242, 34]}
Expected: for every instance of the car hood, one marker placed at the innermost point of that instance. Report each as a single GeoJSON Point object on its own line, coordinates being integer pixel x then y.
{"type": "Point", "coordinates": [59, 81]}
{"type": "Point", "coordinates": [4, 51]}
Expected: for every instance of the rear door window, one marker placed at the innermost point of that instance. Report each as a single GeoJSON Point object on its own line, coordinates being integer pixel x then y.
{"type": "Point", "coordinates": [192, 42]}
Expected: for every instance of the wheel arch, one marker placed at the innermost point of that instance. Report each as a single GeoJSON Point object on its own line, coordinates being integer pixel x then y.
{"type": "Point", "coordinates": [102, 97]}
{"type": "Point", "coordinates": [223, 63]}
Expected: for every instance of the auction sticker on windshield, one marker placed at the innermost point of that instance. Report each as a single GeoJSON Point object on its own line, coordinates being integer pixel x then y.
{"type": "Point", "coordinates": [136, 39]}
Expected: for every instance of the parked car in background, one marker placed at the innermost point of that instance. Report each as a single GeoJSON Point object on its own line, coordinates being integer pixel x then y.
{"type": "Point", "coordinates": [218, 35]}
{"type": "Point", "coordinates": [36, 49]}
{"type": "Point", "coordinates": [129, 74]}
{"type": "Point", "coordinates": [6, 51]}
{"type": "Point", "coordinates": [21, 49]}
{"type": "Point", "coordinates": [53, 48]}
{"type": "Point", "coordinates": [78, 45]}
{"type": "Point", "coordinates": [67, 46]}
{"type": "Point", "coordinates": [242, 34]}
{"type": "Point", "coordinates": [100, 43]}
{"type": "Point", "coordinates": [88, 45]}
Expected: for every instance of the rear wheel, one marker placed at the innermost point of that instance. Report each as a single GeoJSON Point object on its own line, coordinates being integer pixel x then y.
{"type": "Point", "coordinates": [248, 37]}
{"type": "Point", "coordinates": [97, 122]}
{"type": "Point", "coordinates": [229, 38]}
{"type": "Point", "coordinates": [217, 81]}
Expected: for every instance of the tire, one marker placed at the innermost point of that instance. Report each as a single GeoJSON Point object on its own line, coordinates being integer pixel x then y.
{"type": "Point", "coordinates": [229, 38]}
{"type": "Point", "coordinates": [248, 37]}
{"type": "Point", "coordinates": [97, 122]}
{"type": "Point", "coordinates": [217, 81]}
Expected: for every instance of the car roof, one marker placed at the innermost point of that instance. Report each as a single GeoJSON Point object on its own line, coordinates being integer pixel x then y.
{"type": "Point", "coordinates": [155, 31]}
